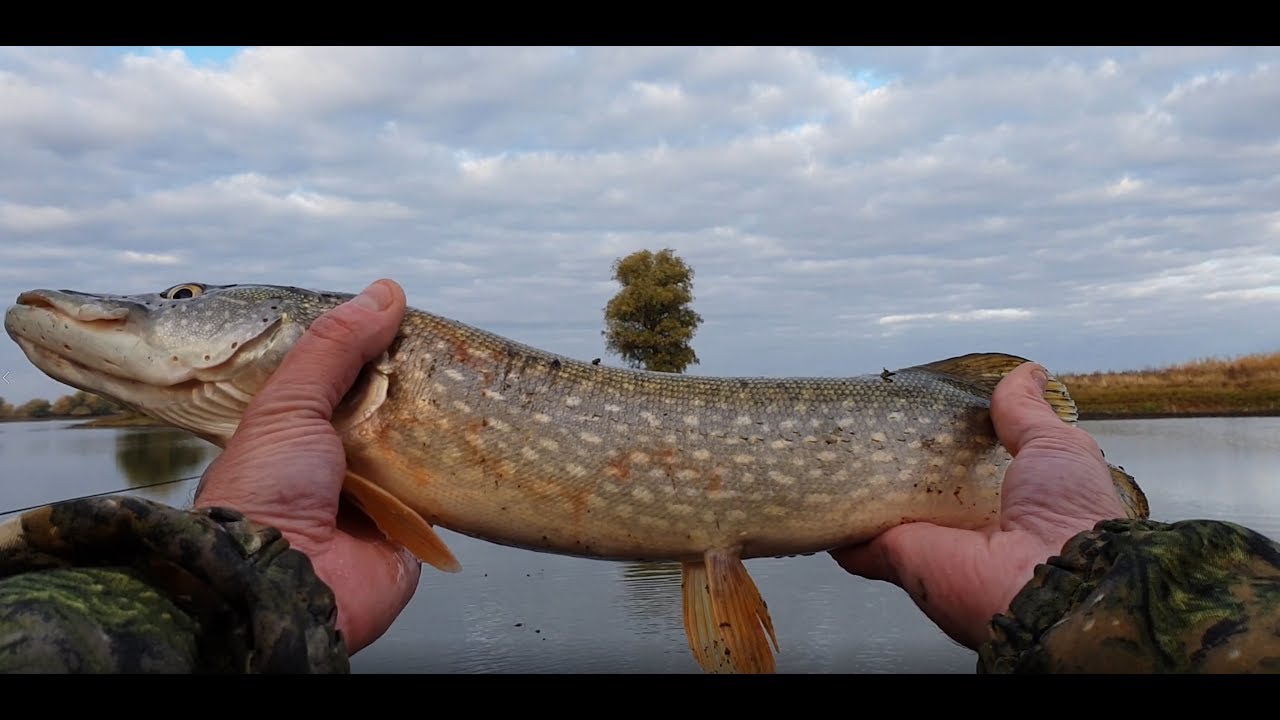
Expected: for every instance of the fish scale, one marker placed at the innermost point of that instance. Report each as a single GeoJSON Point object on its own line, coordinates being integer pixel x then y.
{"type": "Point", "coordinates": [461, 428]}
{"type": "Point", "coordinates": [703, 459]}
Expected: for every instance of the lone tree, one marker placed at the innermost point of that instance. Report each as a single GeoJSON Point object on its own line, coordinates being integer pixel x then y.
{"type": "Point", "coordinates": [649, 322]}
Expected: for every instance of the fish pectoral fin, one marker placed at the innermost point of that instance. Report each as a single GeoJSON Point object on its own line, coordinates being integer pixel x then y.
{"type": "Point", "coordinates": [726, 620]}
{"type": "Point", "coordinates": [986, 370]}
{"type": "Point", "coordinates": [400, 523]}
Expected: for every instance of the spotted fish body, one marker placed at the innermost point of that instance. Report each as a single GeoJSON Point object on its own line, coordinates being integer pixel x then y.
{"type": "Point", "coordinates": [468, 430]}
{"type": "Point", "coordinates": [519, 446]}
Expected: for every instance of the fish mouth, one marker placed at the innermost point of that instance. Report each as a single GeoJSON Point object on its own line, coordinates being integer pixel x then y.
{"type": "Point", "coordinates": [107, 378]}
{"type": "Point", "coordinates": [132, 339]}
{"type": "Point", "coordinates": [63, 303]}
{"type": "Point", "coordinates": [108, 346]}
{"type": "Point", "coordinates": [35, 310]}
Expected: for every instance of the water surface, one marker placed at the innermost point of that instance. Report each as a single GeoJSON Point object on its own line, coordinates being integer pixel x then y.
{"type": "Point", "coordinates": [517, 611]}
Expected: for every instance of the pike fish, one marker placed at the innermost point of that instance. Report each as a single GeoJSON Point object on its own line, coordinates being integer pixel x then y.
{"type": "Point", "coordinates": [460, 428]}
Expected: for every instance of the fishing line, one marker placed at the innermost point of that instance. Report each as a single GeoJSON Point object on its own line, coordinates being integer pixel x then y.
{"type": "Point", "coordinates": [106, 492]}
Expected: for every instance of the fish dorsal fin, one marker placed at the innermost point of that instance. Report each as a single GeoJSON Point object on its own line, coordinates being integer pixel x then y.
{"type": "Point", "coordinates": [986, 370]}
{"type": "Point", "coordinates": [725, 618]}
{"type": "Point", "coordinates": [400, 523]}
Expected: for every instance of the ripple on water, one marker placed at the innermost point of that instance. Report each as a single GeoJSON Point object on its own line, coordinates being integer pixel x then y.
{"type": "Point", "coordinates": [517, 611]}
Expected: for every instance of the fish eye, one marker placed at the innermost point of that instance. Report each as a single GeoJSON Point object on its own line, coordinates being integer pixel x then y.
{"type": "Point", "coordinates": [182, 292]}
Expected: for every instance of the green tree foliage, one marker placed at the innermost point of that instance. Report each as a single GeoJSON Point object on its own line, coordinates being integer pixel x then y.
{"type": "Point", "coordinates": [78, 404]}
{"type": "Point", "coordinates": [64, 405]}
{"type": "Point", "coordinates": [84, 403]}
{"type": "Point", "coordinates": [99, 405]}
{"type": "Point", "coordinates": [38, 407]}
{"type": "Point", "coordinates": [649, 322]}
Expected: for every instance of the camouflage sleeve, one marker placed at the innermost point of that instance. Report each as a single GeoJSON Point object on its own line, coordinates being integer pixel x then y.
{"type": "Point", "coordinates": [1137, 596]}
{"type": "Point", "coordinates": [122, 584]}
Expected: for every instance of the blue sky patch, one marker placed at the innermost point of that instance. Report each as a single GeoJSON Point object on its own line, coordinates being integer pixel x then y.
{"type": "Point", "coordinates": [198, 54]}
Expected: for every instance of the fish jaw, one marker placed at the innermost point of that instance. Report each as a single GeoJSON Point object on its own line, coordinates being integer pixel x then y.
{"type": "Point", "coordinates": [152, 354]}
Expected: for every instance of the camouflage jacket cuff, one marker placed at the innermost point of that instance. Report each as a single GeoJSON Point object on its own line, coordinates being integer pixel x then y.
{"type": "Point", "coordinates": [1138, 596]}
{"type": "Point", "coordinates": [124, 584]}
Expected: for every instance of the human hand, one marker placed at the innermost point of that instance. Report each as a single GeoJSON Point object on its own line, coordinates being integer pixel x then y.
{"type": "Point", "coordinates": [285, 465]}
{"type": "Point", "coordinates": [1057, 486]}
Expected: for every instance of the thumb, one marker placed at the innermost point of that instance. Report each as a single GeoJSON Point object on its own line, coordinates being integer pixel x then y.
{"type": "Point", "coordinates": [1059, 482]}
{"type": "Point", "coordinates": [1022, 416]}
{"type": "Point", "coordinates": [321, 367]}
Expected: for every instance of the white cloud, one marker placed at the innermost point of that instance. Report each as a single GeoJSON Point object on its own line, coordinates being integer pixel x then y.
{"type": "Point", "coordinates": [979, 315]}
{"type": "Point", "coordinates": [1124, 186]}
{"type": "Point", "coordinates": [1269, 293]}
{"type": "Point", "coordinates": [140, 258]}
{"type": "Point", "coordinates": [19, 218]}
{"type": "Point", "coordinates": [844, 209]}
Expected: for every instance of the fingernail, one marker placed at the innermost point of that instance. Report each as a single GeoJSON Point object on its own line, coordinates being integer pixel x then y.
{"type": "Point", "coordinates": [375, 297]}
{"type": "Point", "coordinates": [1042, 378]}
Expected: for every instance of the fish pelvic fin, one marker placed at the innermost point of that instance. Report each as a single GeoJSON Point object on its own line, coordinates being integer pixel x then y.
{"type": "Point", "coordinates": [1135, 501]}
{"type": "Point", "coordinates": [726, 620]}
{"type": "Point", "coordinates": [400, 523]}
{"type": "Point", "coordinates": [700, 620]}
{"type": "Point", "coordinates": [986, 370]}
{"type": "Point", "coordinates": [12, 534]}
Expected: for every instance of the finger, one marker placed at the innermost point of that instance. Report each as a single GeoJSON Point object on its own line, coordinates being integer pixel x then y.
{"type": "Point", "coordinates": [323, 365]}
{"type": "Point", "coordinates": [397, 581]}
{"type": "Point", "coordinates": [908, 554]}
{"type": "Point", "coordinates": [894, 553]}
{"type": "Point", "coordinates": [373, 579]}
{"type": "Point", "coordinates": [940, 568]}
{"type": "Point", "coordinates": [869, 560]}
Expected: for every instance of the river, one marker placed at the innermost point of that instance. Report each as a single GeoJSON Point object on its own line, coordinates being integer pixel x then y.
{"type": "Point", "coordinates": [517, 611]}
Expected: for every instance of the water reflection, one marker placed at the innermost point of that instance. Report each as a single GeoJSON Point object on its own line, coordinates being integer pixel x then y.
{"type": "Point", "coordinates": [146, 456]}
{"type": "Point", "coordinates": [518, 611]}
{"type": "Point", "coordinates": [652, 595]}
{"type": "Point", "coordinates": [1221, 468]}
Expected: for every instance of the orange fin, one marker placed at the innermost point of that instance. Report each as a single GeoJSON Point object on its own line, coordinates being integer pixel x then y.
{"type": "Point", "coordinates": [400, 523]}
{"type": "Point", "coordinates": [700, 620]}
{"type": "Point", "coordinates": [986, 370]}
{"type": "Point", "coordinates": [1135, 501]}
{"type": "Point", "coordinates": [726, 621]}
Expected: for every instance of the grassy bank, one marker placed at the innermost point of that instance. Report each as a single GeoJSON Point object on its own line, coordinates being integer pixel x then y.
{"type": "Point", "coordinates": [1248, 385]}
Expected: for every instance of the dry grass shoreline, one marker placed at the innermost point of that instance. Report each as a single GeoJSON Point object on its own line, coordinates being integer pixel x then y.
{"type": "Point", "coordinates": [1246, 386]}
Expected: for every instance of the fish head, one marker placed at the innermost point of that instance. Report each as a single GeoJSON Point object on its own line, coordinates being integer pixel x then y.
{"type": "Point", "coordinates": [192, 355]}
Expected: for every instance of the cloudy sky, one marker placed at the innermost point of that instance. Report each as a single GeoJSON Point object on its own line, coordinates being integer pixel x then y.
{"type": "Point", "coordinates": [844, 210]}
